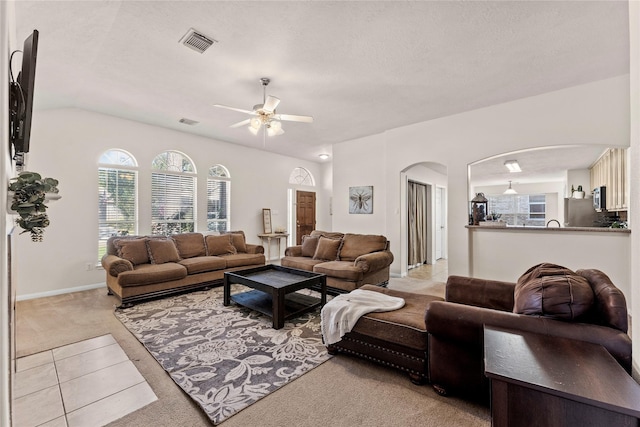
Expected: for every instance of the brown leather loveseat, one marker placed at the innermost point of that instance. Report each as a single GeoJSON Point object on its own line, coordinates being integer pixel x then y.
{"type": "Point", "coordinates": [548, 299]}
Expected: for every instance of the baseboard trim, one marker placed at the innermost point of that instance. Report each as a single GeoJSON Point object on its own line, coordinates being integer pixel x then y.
{"type": "Point", "coordinates": [61, 291]}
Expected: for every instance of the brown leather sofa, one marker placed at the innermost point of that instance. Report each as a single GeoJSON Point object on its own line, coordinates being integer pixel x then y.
{"type": "Point", "coordinates": [348, 260]}
{"type": "Point", "coordinates": [455, 326]}
{"type": "Point", "coordinates": [143, 267]}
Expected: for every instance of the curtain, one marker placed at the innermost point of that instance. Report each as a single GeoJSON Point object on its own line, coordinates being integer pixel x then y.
{"type": "Point", "coordinates": [417, 222]}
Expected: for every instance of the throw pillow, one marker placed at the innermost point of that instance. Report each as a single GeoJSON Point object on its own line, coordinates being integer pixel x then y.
{"type": "Point", "coordinates": [220, 245]}
{"type": "Point", "coordinates": [133, 250]}
{"type": "Point", "coordinates": [239, 242]}
{"type": "Point", "coordinates": [327, 249]}
{"type": "Point", "coordinates": [309, 245]}
{"type": "Point", "coordinates": [162, 251]}
{"type": "Point", "coordinates": [552, 291]}
{"type": "Point", "coordinates": [190, 245]}
{"type": "Point", "coordinates": [354, 245]}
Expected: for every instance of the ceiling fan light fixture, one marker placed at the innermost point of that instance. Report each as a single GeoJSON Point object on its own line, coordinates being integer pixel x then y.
{"type": "Point", "coordinates": [274, 128]}
{"type": "Point", "coordinates": [255, 123]}
{"type": "Point", "coordinates": [253, 130]}
{"type": "Point", "coordinates": [513, 166]}
{"type": "Point", "coordinates": [510, 190]}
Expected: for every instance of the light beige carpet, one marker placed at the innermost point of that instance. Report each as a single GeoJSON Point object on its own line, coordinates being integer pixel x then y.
{"type": "Point", "coordinates": [343, 391]}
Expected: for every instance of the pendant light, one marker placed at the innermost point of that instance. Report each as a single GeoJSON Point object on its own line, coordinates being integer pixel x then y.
{"type": "Point", "coordinates": [510, 190]}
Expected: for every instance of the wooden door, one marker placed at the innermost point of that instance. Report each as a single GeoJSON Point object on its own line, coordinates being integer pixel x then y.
{"type": "Point", "coordinates": [305, 214]}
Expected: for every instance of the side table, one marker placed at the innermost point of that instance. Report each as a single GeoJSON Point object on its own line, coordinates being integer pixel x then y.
{"type": "Point", "coordinates": [539, 380]}
{"type": "Point", "coordinates": [268, 237]}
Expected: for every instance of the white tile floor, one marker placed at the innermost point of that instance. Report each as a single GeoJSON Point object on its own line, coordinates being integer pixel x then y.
{"type": "Point", "coordinates": [89, 383]}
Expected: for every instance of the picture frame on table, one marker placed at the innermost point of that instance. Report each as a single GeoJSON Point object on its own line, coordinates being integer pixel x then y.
{"type": "Point", "coordinates": [266, 221]}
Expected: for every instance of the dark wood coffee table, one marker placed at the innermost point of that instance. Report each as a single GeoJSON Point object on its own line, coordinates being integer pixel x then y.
{"type": "Point", "coordinates": [274, 291]}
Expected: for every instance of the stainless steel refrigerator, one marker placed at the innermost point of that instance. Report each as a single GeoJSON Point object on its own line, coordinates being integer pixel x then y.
{"type": "Point", "coordinates": [579, 213]}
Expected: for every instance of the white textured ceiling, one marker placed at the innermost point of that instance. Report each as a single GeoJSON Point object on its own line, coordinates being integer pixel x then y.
{"type": "Point", "coordinates": [359, 68]}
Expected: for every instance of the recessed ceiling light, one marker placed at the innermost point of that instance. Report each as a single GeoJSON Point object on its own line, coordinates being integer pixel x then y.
{"type": "Point", "coordinates": [513, 166]}
{"type": "Point", "coordinates": [324, 156]}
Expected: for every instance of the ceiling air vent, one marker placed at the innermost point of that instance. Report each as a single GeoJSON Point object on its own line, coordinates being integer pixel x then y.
{"type": "Point", "coordinates": [188, 121]}
{"type": "Point", "coordinates": [196, 41]}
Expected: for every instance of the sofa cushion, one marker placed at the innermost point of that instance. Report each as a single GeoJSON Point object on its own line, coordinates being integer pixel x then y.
{"type": "Point", "coordinates": [239, 260]}
{"type": "Point", "coordinates": [301, 263]}
{"type": "Point", "coordinates": [309, 245]}
{"type": "Point", "coordinates": [553, 291]}
{"type": "Point", "coordinates": [133, 250]}
{"type": "Point", "coordinates": [203, 263]}
{"type": "Point", "coordinates": [327, 249]}
{"type": "Point", "coordinates": [220, 245]}
{"type": "Point", "coordinates": [162, 251]}
{"type": "Point", "coordinates": [238, 240]}
{"type": "Point", "coordinates": [330, 234]}
{"type": "Point", "coordinates": [145, 274]}
{"type": "Point", "coordinates": [354, 245]}
{"type": "Point", "coordinates": [405, 327]}
{"type": "Point", "coordinates": [340, 269]}
{"type": "Point", "coordinates": [190, 244]}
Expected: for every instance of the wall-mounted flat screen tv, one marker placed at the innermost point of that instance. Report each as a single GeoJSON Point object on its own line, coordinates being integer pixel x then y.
{"type": "Point", "coordinates": [21, 98]}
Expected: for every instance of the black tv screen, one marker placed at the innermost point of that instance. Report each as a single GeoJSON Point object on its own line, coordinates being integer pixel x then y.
{"type": "Point", "coordinates": [21, 96]}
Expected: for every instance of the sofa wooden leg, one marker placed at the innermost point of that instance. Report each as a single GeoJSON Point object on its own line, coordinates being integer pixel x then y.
{"type": "Point", "coordinates": [440, 390]}
{"type": "Point", "coordinates": [417, 379]}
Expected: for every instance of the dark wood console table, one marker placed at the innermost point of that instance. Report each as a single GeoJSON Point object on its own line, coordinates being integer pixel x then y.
{"type": "Point", "coordinates": [537, 380]}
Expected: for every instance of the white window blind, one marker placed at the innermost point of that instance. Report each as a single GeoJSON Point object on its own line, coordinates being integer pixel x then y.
{"type": "Point", "coordinates": [519, 209]}
{"type": "Point", "coordinates": [173, 187]}
{"type": "Point", "coordinates": [218, 197]}
{"type": "Point", "coordinates": [117, 197]}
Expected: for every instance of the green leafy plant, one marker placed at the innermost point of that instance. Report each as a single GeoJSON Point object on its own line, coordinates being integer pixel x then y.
{"type": "Point", "coordinates": [29, 198]}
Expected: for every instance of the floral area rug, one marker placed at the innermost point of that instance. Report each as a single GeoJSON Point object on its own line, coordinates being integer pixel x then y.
{"type": "Point", "coordinates": [224, 358]}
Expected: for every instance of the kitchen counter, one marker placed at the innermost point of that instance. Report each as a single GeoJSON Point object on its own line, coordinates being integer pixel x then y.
{"type": "Point", "coordinates": [551, 229]}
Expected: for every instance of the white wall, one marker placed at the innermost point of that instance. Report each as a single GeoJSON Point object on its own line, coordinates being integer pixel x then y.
{"type": "Point", "coordinates": [361, 163]}
{"type": "Point", "coordinates": [506, 254]}
{"type": "Point", "coordinates": [591, 114]}
{"type": "Point", "coordinates": [634, 172]}
{"type": "Point", "coordinates": [7, 41]}
{"type": "Point", "coordinates": [66, 145]}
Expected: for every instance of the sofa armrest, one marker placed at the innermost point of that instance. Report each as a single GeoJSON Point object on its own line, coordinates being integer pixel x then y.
{"type": "Point", "coordinates": [115, 265]}
{"type": "Point", "coordinates": [464, 324]}
{"type": "Point", "coordinates": [293, 251]}
{"type": "Point", "coordinates": [491, 294]}
{"type": "Point", "coordinates": [255, 249]}
{"type": "Point", "coordinates": [374, 261]}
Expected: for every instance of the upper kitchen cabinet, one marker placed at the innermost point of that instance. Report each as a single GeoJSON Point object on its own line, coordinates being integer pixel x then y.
{"type": "Point", "coordinates": [611, 171]}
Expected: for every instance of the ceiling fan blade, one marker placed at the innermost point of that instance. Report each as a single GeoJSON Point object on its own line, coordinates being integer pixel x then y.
{"type": "Point", "coordinates": [270, 104]}
{"type": "Point", "coordinates": [294, 118]}
{"type": "Point", "coordinates": [234, 109]}
{"type": "Point", "coordinates": [242, 123]}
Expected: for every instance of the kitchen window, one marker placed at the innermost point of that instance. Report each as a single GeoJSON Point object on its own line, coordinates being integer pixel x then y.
{"type": "Point", "coordinates": [519, 209]}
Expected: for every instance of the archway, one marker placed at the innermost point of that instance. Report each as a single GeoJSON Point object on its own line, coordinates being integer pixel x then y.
{"type": "Point", "coordinates": [433, 177]}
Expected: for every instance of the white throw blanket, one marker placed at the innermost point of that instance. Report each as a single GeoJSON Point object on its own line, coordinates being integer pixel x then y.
{"type": "Point", "coordinates": [340, 315]}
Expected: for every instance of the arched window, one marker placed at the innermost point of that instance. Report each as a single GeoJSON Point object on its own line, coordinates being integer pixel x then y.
{"type": "Point", "coordinates": [117, 191]}
{"type": "Point", "coordinates": [173, 191]}
{"type": "Point", "coordinates": [301, 176]}
{"type": "Point", "coordinates": [218, 198]}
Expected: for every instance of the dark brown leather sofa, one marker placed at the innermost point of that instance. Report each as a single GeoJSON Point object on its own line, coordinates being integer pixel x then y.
{"type": "Point", "coordinates": [455, 326]}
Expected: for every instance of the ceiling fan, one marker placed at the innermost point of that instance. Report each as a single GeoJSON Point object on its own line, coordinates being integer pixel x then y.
{"type": "Point", "coordinates": [264, 115]}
